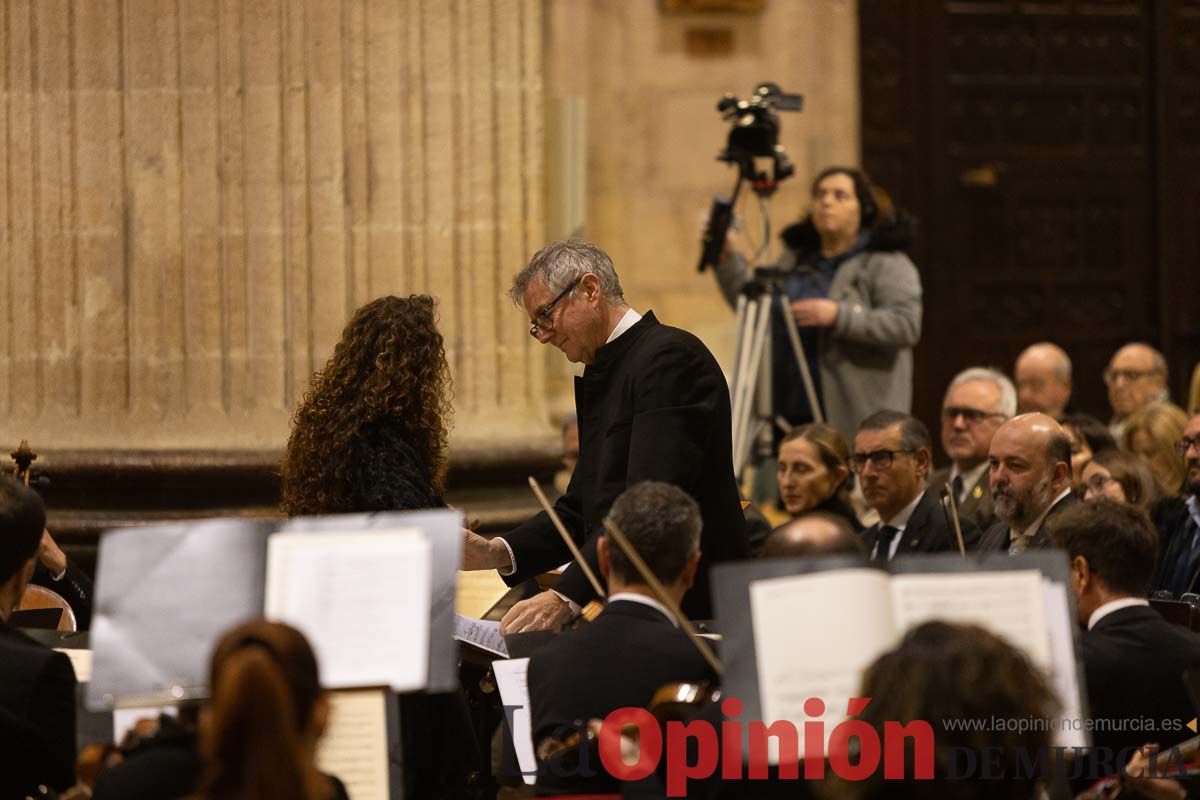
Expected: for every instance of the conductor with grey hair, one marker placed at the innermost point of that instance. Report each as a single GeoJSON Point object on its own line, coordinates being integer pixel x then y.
{"type": "Point", "coordinates": [652, 404]}
{"type": "Point", "coordinates": [977, 403]}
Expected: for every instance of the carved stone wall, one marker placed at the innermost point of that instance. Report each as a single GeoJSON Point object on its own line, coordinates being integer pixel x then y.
{"type": "Point", "coordinates": [195, 196]}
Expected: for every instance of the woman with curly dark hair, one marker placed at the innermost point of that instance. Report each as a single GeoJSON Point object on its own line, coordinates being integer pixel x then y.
{"type": "Point", "coordinates": [370, 434]}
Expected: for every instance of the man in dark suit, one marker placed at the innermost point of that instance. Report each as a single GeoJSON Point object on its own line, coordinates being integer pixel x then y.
{"type": "Point", "coordinates": [653, 404]}
{"type": "Point", "coordinates": [1133, 659]}
{"type": "Point", "coordinates": [1029, 466]}
{"type": "Point", "coordinates": [37, 685]}
{"type": "Point", "coordinates": [631, 650]}
{"type": "Point", "coordinates": [977, 403]}
{"type": "Point", "coordinates": [1179, 523]}
{"type": "Point", "coordinates": [891, 458]}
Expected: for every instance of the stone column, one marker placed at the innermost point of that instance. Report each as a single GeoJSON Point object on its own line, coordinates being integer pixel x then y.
{"type": "Point", "coordinates": [195, 196]}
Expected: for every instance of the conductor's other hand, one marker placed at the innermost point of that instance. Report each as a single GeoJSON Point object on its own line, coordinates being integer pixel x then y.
{"type": "Point", "coordinates": [815, 313]}
{"type": "Point", "coordinates": [542, 612]}
{"type": "Point", "coordinates": [481, 553]}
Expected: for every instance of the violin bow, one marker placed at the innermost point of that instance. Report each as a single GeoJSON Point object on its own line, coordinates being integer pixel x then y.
{"type": "Point", "coordinates": [566, 537]}
{"type": "Point", "coordinates": [661, 593]}
{"type": "Point", "coordinates": [952, 504]}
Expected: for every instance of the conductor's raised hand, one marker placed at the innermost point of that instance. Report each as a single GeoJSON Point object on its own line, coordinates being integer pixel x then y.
{"type": "Point", "coordinates": [481, 553]}
{"type": "Point", "coordinates": [542, 612]}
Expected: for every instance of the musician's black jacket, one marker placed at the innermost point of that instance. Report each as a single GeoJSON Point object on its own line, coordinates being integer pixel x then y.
{"type": "Point", "coordinates": [618, 661]}
{"type": "Point", "coordinates": [654, 405]}
{"type": "Point", "coordinates": [37, 716]}
{"type": "Point", "coordinates": [1133, 662]}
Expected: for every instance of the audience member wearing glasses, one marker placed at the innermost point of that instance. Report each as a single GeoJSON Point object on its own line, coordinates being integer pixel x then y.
{"type": "Point", "coordinates": [1136, 377]}
{"type": "Point", "coordinates": [977, 403]}
{"type": "Point", "coordinates": [1179, 566]}
{"type": "Point", "coordinates": [1087, 437]}
{"type": "Point", "coordinates": [891, 458]}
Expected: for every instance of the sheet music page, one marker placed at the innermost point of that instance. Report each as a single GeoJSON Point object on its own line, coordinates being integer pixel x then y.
{"type": "Point", "coordinates": [81, 662]}
{"type": "Point", "coordinates": [512, 681]}
{"type": "Point", "coordinates": [481, 633]}
{"type": "Point", "coordinates": [478, 591]}
{"type": "Point", "coordinates": [362, 599]}
{"type": "Point", "coordinates": [813, 635]}
{"type": "Point", "coordinates": [1009, 604]}
{"type": "Point", "coordinates": [355, 746]}
{"type": "Point", "coordinates": [1060, 625]}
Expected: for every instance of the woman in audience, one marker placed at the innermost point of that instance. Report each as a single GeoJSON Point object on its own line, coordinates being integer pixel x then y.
{"type": "Point", "coordinates": [1151, 434]}
{"type": "Point", "coordinates": [812, 472]}
{"type": "Point", "coordinates": [855, 296]}
{"type": "Point", "coordinates": [267, 714]}
{"type": "Point", "coordinates": [944, 675]}
{"type": "Point", "coordinates": [370, 434]}
{"type": "Point", "coordinates": [1121, 477]}
{"type": "Point", "coordinates": [1088, 436]}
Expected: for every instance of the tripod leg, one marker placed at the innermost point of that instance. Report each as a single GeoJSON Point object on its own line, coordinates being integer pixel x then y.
{"type": "Point", "coordinates": [750, 376]}
{"type": "Point", "coordinates": [746, 336]}
{"type": "Point", "coordinates": [801, 361]}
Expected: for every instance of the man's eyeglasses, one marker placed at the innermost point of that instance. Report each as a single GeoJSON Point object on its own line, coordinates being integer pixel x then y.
{"type": "Point", "coordinates": [542, 321]}
{"type": "Point", "coordinates": [880, 459]}
{"type": "Point", "coordinates": [1113, 376]}
{"type": "Point", "coordinates": [972, 416]}
{"type": "Point", "coordinates": [1185, 444]}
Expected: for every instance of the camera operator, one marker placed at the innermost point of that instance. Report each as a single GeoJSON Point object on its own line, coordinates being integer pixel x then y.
{"type": "Point", "coordinates": [855, 296]}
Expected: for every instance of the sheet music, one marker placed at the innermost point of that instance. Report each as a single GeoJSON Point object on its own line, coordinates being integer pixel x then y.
{"type": "Point", "coordinates": [361, 598]}
{"type": "Point", "coordinates": [355, 746]}
{"type": "Point", "coordinates": [814, 634]}
{"type": "Point", "coordinates": [1060, 623]}
{"type": "Point", "coordinates": [1010, 604]}
{"type": "Point", "coordinates": [81, 662]}
{"type": "Point", "coordinates": [478, 591]}
{"type": "Point", "coordinates": [512, 681]}
{"type": "Point", "coordinates": [481, 633]}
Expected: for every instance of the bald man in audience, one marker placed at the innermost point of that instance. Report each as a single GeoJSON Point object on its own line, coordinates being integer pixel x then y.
{"type": "Point", "coordinates": [37, 685]}
{"type": "Point", "coordinates": [817, 533]}
{"type": "Point", "coordinates": [977, 403]}
{"type": "Point", "coordinates": [1029, 470]}
{"type": "Point", "coordinates": [1043, 376]}
{"type": "Point", "coordinates": [1136, 377]}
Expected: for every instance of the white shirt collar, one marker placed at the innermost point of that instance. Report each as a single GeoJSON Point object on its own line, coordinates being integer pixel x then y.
{"type": "Point", "coordinates": [1114, 605]}
{"type": "Point", "coordinates": [627, 321]}
{"type": "Point", "coordinates": [969, 478]}
{"type": "Point", "coordinates": [634, 597]}
{"type": "Point", "coordinates": [1193, 506]}
{"type": "Point", "coordinates": [1037, 523]}
{"type": "Point", "coordinates": [901, 519]}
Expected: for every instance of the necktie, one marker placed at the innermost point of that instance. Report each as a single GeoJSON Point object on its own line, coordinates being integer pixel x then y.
{"type": "Point", "coordinates": [1019, 542]}
{"type": "Point", "coordinates": [1187, 559]}
{"type": "Point", "coordinates": [883, 545]}
{"type": "Point", "coordinates": [956, 486]}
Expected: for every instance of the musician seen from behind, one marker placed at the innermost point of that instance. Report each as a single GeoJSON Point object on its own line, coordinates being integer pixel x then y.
{"type": "Point", "coordinates": [652, 404]}
{"type": "Point", "coordinates": [37, 684]}
{"type": "Point", "coordinates": [1133, 659]}
{"type": "Point", "coordinates": [632, 649]}
{"type": "Point", "coordinates": [855, 296]}
{"type": "Point", "coordinates": [978, 402]}
{"type": "Point", "coordinates": [1179, 524]}
{"type": "Point", "coordinates": [891, 458]}
{"type": "Point", "coordinates": [1029, 470]}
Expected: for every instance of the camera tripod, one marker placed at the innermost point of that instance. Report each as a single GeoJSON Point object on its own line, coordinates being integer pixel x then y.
{"type": "Point", "coordinates": [753, 415]}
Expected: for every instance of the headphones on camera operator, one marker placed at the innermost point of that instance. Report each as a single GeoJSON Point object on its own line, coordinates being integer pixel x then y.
{"type": "Point", "coordinates": [755, 135]}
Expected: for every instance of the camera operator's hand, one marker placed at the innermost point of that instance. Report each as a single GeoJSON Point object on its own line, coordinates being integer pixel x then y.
{"type": "Point", "coordinates": [815, 313]}
{"type": "Point", "coordinates": [735, 241]}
